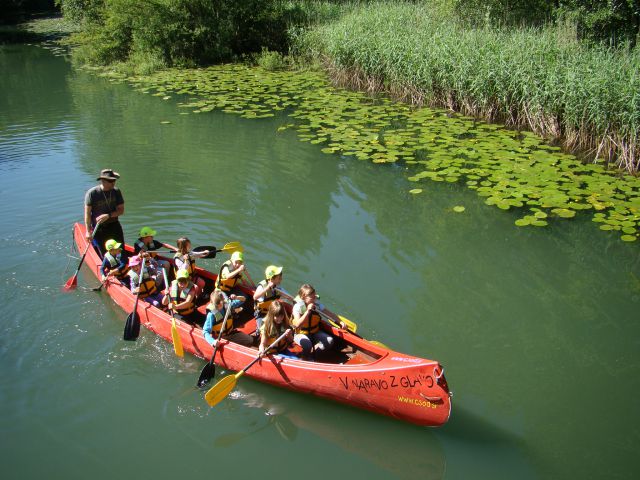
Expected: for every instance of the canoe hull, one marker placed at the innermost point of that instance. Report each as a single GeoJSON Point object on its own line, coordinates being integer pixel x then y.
{"type": "Point", "coordinates": [395, 384]}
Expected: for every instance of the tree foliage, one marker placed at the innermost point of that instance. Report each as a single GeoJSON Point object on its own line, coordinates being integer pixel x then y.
{"type": "Point", "coordinates": [178, 32]}
{"type": "Point", "coordinates": [16, 10]}
{"type": "Point", "coordinates": [611, 22]}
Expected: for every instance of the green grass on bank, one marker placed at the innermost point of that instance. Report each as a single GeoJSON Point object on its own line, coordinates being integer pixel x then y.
{"type": "Point", "coordinates": [541, 79]}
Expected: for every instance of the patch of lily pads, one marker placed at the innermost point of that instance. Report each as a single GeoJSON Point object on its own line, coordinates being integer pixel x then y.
{"type": "Point", "coordinates": [510, 170]}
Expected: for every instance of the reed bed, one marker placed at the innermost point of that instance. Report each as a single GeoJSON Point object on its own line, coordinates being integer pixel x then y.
{"type": "Point", "coordinates": [540, 79]}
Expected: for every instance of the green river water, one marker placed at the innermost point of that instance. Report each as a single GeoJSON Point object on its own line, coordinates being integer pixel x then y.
{"type": "Point", "coordinates": [538, 329]}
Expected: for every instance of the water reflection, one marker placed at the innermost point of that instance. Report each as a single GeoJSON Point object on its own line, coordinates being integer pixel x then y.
{"type": "Point", "coordinates": [404, 451]}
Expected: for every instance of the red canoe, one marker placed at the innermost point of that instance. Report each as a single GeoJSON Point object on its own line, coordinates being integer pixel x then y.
{"type": "Point", "coordinates": [372, 377]}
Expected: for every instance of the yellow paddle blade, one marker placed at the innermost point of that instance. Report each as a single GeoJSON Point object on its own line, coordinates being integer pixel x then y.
{"type": "Point", "coordinates": [351, 326]}
{"type": "Point", "coordinates": [232, 247]}
{"type": "Point", "coordinates": [175, 336]}
{"type": "Point", "coordinates": [220, 390]}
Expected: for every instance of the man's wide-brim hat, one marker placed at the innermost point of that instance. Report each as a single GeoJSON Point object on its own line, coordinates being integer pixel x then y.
{"type": "Point", "coordinates": [108, 174]}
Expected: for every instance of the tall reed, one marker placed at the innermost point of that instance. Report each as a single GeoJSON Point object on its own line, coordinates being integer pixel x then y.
{"type": "Point", "coordinates": [541, 79]}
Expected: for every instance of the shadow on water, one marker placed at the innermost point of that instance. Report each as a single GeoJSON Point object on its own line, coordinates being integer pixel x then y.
{"type": "Point", "coordinates": [477, 448]}
{"type": "Point", "coordinates": [402, 450]}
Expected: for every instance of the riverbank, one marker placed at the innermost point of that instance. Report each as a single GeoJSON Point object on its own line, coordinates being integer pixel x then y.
{"type": "Point", "coordinates": [511, 169]}
{"type": "Point", "coordinates": [48, 27]}
{"type": "Point", "coordinates": [543, 79]}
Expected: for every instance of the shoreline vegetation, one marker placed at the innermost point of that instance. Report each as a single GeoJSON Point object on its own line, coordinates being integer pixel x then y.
{"type": "Point", "coordinates": [566, 70]}
{"type": "Point", "coordinates": [545, 78]}
{"type": "Point", "coordinates": [540, 79]}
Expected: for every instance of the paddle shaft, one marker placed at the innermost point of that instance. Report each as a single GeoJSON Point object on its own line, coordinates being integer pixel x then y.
{"type": "Point", "coordinates": [102, 284]}
{"type": "Point", "coordinates": [273, 344]}
{"type": "Point", "coordinates": [332, 322]}
{"type": "Point", "coordinates": [221, 389]}
{"type": "Point", "coordinates": [231, 246]}
{"type": "Point", "coordinates": [129, 327]}
{"type": "Point", "coordinates": [322, 314]}
{"type": "Point", "coordinates": [71, 281]}
{"type": "Point", "coordinates": [222, 330]}
{"type": "Point", "coordinates": [175, 336]}
{"type": "Point", "coordinates": [252, 284]}
{"type": "Point", "coordinates": [209, 370]}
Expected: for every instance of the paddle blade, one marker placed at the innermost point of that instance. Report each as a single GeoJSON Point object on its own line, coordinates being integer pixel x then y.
{"type": "Point", "coordinates": [229, 439]}
{"type": "Point", "coordinates": [232, 247]}
{"type": "Point", "coordinates": [71, 283]}
{"type": "Point", "coordinates": [351, 326]}
{"type": "Point", "coordinates": [132, 327]}
{"type": "Point", "coordinates": [177, 342]}
{"type": "Point", "coordinates": [220, 390]}
{"type": "Point", "coordinates": [207, 374]}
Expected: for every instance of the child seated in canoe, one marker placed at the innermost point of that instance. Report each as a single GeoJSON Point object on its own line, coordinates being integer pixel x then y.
{"type": "Point", "coordinates": [266, 293]}
{"type": "Point", "coordinates": [185, 259]}
{"type": "Point", "coordinates": [216, 311]}
{"type": "Point", "coordinates": [147, 244]}
{"type": "Point", "coordinates": [113, 263]}
{"type": "Point", "coordinates": [149, 290]}
{"type": "Point", "coordinates": [306, 322]}
{"type": "Point", "coordinates": [276, 322]}
{"type": "Point", "coordinates": [230, 274]}
{"type": "Point", "coordinates": [181, 298]}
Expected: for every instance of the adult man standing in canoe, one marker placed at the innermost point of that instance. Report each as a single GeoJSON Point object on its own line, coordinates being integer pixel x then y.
{"type": "Point", "coordinates": [103, 204]}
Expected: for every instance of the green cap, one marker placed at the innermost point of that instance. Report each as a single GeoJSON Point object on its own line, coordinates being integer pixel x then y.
{"type": "Point", "coordinates": [111, 244]}
{"type": "Point", "coordinates": [182, 273]}
{"type": "Point", "coordinates": [272, 271]}
{"type": "Point", "coordinates": [237, 256]}
{"type": "Point", "coordinates": [147, 232]}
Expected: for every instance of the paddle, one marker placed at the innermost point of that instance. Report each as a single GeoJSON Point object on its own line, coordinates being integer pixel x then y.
{"type": "Point", "coordinates": [221, 389]}
{"type": "Point", "coordinates": [209, 370]}
{"type": "Point", "coordinates": [73, 281]}
{"type": "Point", "coordinates": [351, 326]}
{"type": "Point", "coordinates": [132, 325]}
{"type": "Point", "coordinates": [348, 322]}
{"type": "Point", "coordinates": [102, 284]}
{"type": "Point", "coordinates": [330, 320]}
{"type": "Point", "coordinates": [175, 336]}
{"type": "Point", "coordinates": [252, 284]}
{"type": "Point", "coordinates": [228, 247]}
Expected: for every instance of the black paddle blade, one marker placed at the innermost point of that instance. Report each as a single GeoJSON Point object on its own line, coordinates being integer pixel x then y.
{"type": "Point", "coordinates": [211, 248]}
{"type": "Point", "coordinates": [207, 374]}
{"type": "Point", "coordinates": [132, 327]}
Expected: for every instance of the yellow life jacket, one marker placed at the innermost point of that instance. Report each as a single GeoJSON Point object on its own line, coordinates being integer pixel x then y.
{"type": "Point", "coordinates": [114, 262]}
{"type": "Point", "coordinates": [270, 338]}
{"type": "Point", "coordinates": [218, 317]}
{"type": "Point", "coordinates": [226, 284]}
{"type": "Point", "coordinates": [189, 263]}
{"type": "Point", "coordinates": [179, 297]}
{"type": "Point", "coordinates": [311, 324]}
{"type": "Point", "coordinates": [262, 306]}
{"type": "Point", "coordinates": [148, 285]}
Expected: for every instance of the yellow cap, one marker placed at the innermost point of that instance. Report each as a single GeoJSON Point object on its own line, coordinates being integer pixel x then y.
{"type": "Point", "coordinates": [272, 271]}
{"type": "Point", "coordinates": [237, 256]}
{"type": "Point", "coordinates": [147, 232]}
{"type": "Point", "coordinates": [111, 244]}
{"type": "Point", "coordinates": [182, 273]}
